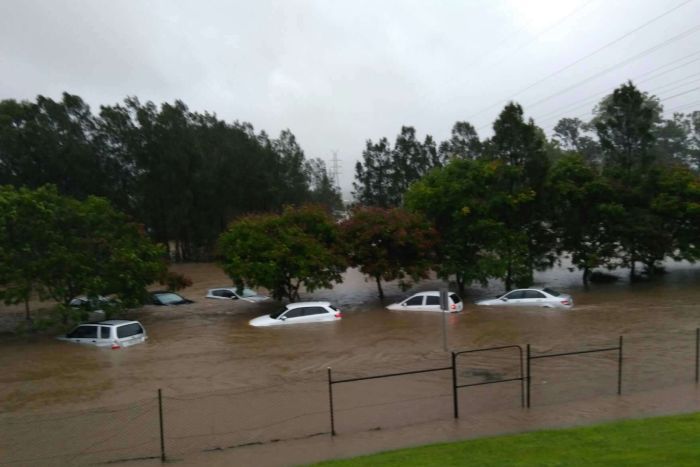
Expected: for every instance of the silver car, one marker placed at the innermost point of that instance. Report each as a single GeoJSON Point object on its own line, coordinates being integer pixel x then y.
{"type": "Point", "coordinates": [298, 313]}
{"type": "Point", "coordinates": [546, 298]}
{"type": "Point", "coordinates": [115, 333]}
{"type": "Point", "coordinates": [232, 293]}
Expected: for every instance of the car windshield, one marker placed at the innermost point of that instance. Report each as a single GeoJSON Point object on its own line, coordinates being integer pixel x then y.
{"type": "Point", "coordinates": [167, 298]}
{"type": "Point", "coordinates": [277, 314]}
{"type": "Point", "coordinates": [552, 292]}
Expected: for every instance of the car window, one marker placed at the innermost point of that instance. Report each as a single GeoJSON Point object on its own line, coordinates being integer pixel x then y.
{"type": "Point", "coordinates": [533, 294]}
{"type": "Point", "coordinates": [515, 294]}
{"type": "Point", "coordinates": [84, 332]}
{"type": "Point", "coordinates": [432, 300]}
{"type": "Point", "coordinates": [413, 301]}
{"type": "Point", "coordinates": [314, 310]}
{"type": "Point", "coordinates": [455, 298]}
{"type": "Point", "coordinates": [277, 313]}
{"type": "Point", "coordinates": [104, 332]}
{"type": "Point", "coordinates": [552, 292]}
{"type": "Point", "coordinates": [295, 313]}
{"type": "Point", "coordinates": [129, 330]}
{"type": "Point", "coordinates": [222, 293]}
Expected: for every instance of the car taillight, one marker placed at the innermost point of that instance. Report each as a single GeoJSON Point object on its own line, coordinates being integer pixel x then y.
{"type": "Point", "coordinates": [453, 306]}
{"type": "Point", "coordinates": [115, 345]}
{"type": "Point", "coordinates": [338, 315]}
{"type": "Point", "coordinates": [565, 302]}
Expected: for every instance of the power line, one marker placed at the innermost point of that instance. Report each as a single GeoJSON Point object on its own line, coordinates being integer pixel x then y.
{"type": "Point", "coordinates": [688, 32]}
{"type": "Point", "coordinates": [576, 62]}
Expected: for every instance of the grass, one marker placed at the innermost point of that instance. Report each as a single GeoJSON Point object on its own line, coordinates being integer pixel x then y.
{"type": "Point", "coordinates": [662, 441]}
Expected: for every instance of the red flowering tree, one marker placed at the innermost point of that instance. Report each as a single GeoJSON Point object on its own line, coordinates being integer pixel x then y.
{"type": "Point", "coordinates": [389, 244]}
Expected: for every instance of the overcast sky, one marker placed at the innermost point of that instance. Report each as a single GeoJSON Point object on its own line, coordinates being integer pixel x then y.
{"type": "Point", "coordinates": [340, 72]}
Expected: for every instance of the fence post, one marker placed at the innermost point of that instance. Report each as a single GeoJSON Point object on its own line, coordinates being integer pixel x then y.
{"type": "Point", "coordinates": [697, 354]}
{"type": "Point", "coordinates": [619, 369]}
{"type": "Point", "coordinates": [330, 399]}
{"type": "Point", "coordinates": [455, 400]}
{"type": "Point", "coordinates": [162, 431]}
{"type": "Point", "coordinates": [522, 378]}
{"type": "Point", "coordinates": [529, 384]}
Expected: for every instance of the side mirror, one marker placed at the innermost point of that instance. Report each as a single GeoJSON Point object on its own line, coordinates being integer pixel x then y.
{"type": "Point", "coordinates": [504, 299]}
{"type": "Point", "coordinates": [282, 318]}
{"type": "Point", "coordinates": [403, 304]}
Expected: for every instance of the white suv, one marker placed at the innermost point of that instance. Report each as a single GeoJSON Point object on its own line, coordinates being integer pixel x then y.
{"type": "Point", "coordinates": [300, 312]}
{"type": "Point", "coordinates": [114, 333]}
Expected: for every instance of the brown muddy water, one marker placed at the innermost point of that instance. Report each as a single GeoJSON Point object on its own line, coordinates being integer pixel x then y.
{"type": "Point", "coordinates": [226, 384]}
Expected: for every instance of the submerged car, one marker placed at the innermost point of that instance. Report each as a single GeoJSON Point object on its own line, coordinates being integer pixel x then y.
{"type": "Point", "coordinates": [164, 298]}
{"type": "Point", "coordinates": [114, 333]}
{"type": "Point", "coordinates": [546, 298]}
{"type": "Point", "coordinates": [428, 301]}
{"type": "Point", "coordinates": [233, 293]}
{"type": "Point", "coordinates": [300, 312]}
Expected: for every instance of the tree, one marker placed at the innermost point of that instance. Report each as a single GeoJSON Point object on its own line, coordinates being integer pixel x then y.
{"type": "Point", "coordinates": [60, 247]}
{"type": "Point", "coordinates": [283, 252]}
{"type": "Point", "coordinates": [520, 147]}
{"type": "Point", "coordinates": [323, 190]}
{"type": "Point", "coordinates": [389, 244]}
{"type": "Point", "coordinates": [584, 212]}
{"type": "Point", "coordinates": [572, 136]}
{"type": "Point", "coordinates": [626, 122]}
{"type": "Point", "coordinates": [385, 173]}
{"type": "Point", "coordinates": [466, 202]}
{"type": "Point", "coordinates": [463, 144]}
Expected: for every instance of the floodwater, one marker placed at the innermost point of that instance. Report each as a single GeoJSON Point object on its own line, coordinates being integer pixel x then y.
{"type": "Point", "coordinates": [226, 384]}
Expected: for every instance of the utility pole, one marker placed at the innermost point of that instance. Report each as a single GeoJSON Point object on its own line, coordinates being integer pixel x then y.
{"type": "Point", "coordinates": [335, 169]}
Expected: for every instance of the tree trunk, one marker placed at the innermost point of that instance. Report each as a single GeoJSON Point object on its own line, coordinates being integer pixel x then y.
{"type": "Point", "coordinates": [379, 287]}
{"type": "Point", "coordinates": [26, 309]}
{"type": "Point", "coordinates": [633, 273]}
{"type": "Point", "coordinates": [586, 276]}
{"type": "Point", "coordinates": [509, 277]}
{"type": "Point", "coordinates": [460, 284]}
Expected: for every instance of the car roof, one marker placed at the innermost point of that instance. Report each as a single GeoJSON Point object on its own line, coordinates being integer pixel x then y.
{"type": "Point", "coordinates": [291, 306]}
{"type": "Point", "coordinates": [154, 292]}
{"type": "Point", "coordinates": [432, 293]}
{"type": "Point", "coordinates": [115, 322]}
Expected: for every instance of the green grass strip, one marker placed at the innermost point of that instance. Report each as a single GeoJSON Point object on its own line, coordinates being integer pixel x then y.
{"type": "Point", "coordinates": [662, 441]}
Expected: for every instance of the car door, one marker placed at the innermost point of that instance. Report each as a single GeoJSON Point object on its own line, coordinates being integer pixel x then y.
{"type": "Point", "coordinates": [414, 303]}
{"type": "Point", "coordinates": [104, 336]}
{"type": "Point", "coordinates": [514, 298]}
{"type": "Point", "coordinates": [432, 303]}
{"type": "Point", "coordinates": [295, 315]}
{"type": "Point", "coordinates": [533, 298]}
{"type": "Point", "coordinates": [84, 334]}
{"type": "Point", "coordinates": [317, 313]}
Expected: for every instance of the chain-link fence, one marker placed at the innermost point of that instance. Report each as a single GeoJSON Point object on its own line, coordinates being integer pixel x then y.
{"type": "Point", "coordinates": [171, 426]}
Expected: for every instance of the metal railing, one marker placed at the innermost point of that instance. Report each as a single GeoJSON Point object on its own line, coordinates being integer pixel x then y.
{"type": "Point", "coordinates": [579, 352]}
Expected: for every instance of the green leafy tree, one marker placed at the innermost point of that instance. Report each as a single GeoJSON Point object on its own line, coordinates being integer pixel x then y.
{"type": "Point", "coordinates": [385, 173]}
{"type": "Point", "coordinates": [584, 213]}
{"type": "Point", "coordinates": [389, 244]}
{"type": "Point", "coordinates": [463, 144]}
{"type": "Point", "coordinates": [521, 147]}
{"type": "Point", "coordinates": [283, 252]}
{"type": "Point", "coordinates": [60, 247]}
{"type": "Point", "coordinates": [467, 203]}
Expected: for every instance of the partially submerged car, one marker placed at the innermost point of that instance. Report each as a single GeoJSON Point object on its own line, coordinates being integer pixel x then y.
{"type": "Point", "coordinates": [233, 293]}
{"type": "Point", "coordinates": [546, 298]}
{"type": "Point", "coordinates": [428, 301]}
{"type": "Point", "coordinates": [300, 312]}
{"type": "Point", "coordinates": [165, 298]}
{"type": "Point", "coordinates": [114, 333]}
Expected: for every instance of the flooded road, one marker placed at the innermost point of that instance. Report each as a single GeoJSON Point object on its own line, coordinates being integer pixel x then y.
{"type": "Point", "coordinates": [226, 383]}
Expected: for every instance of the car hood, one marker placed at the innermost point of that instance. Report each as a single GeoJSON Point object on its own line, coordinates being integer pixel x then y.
{"type": "Point", "coordinates": [395, 306]}
{"type": "Point", "coordinates": [264, 320]}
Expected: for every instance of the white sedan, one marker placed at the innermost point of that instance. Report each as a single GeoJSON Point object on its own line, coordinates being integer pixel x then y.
{"type": "Point", "coordinates": [300, 312]}
{"type": "Point", "coordinates": [233, 293]}
{"type": "Point", "coordinates": [428, 301]}
{"type": "Point", "coordinates": [546, 298]}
